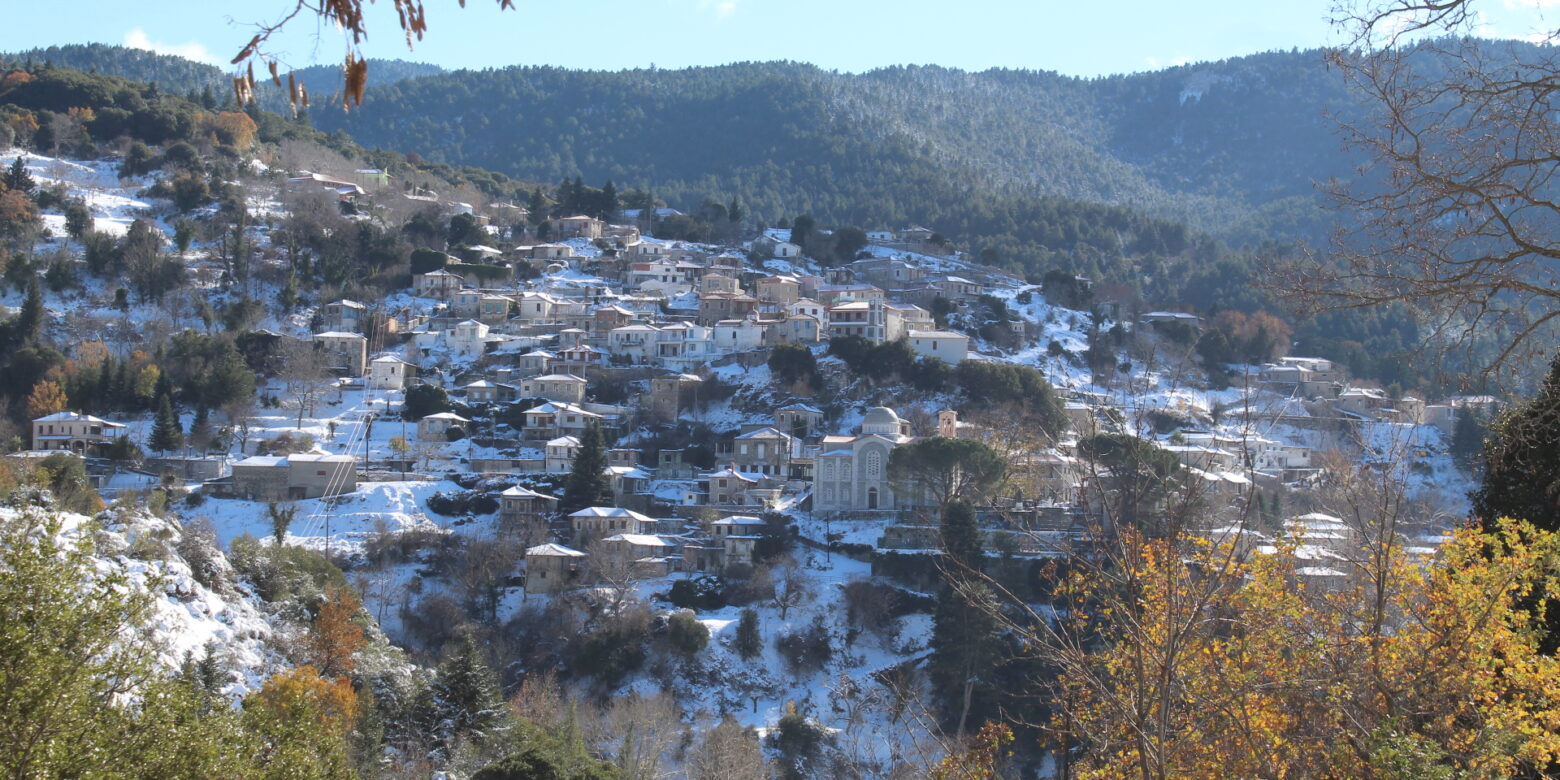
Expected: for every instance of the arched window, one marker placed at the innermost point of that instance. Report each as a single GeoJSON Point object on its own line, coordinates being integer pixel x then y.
{"type": "Point", "coordinates": [874, 465]}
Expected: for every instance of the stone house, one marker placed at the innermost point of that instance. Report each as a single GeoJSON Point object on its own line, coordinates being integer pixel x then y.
{"type": "Point", "coordinates": [670, 396]}
{"type": "Point", "coordinates": [440, 284]}
{"type": "Point", "coordinates": [729, 487]}
{"type": "Point", "coordinates": [348, 352]}
{"type": "Point", "coordinates": [599, 521]}
{"type": "Point", "coordinates": [551, 568]}
{"type": "Point", "coordinates": [525, 513]}
{"type": "Point", "coordinates": [345, 315]}
{"type": "Point", "coordinates": [566, 388]}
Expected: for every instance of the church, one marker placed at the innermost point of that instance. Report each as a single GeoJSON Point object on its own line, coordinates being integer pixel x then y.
{"type": "Point", "coordinates": [852, 473]}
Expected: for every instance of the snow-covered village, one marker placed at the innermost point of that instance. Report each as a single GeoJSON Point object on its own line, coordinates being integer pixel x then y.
{"type": "Point", "coordinates": [498, 479]}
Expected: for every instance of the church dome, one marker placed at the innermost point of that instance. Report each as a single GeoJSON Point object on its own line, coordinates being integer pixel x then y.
{"type": "Point", "coordinates": [881, 420]}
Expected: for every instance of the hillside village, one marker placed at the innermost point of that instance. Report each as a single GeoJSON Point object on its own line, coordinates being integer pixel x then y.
{"type": "Point", "coordinates": [599, 416]}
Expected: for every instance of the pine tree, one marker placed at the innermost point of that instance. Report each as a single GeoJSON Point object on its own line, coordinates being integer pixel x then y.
{"type": "Point", "coordinates": [587, 482]}
{"type": "Point", "coordinates": [466, 697]}
{"type": "Point", "coordinates": [17, 178]}
{"type": "Point", "coordinates": [200, 429]}
{"type": "Point", "coordinates": [167, 435]}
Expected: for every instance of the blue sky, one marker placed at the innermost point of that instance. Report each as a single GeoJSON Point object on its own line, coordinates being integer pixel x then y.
{"type": "Point", "coordinates": [1078, 38]}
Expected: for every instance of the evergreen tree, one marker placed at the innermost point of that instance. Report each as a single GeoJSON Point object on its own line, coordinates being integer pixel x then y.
{"type": "Point", "coordinates": [587, 482]}
{"type": "Point", "coordinates": [607, 207]}
{"type": "Point", "coordinates": [749, 642]}
{"type": "Point", "coordinates": [802, 230]}
{"type": "Point", "coordinates": [1521, 475]}
{"type": "Point", "coordinates": [17, 178]}
{"type": "Point", "coordinates": [167, 434]}
{"type": "Point", "coordinates": [466, 698]}
{"type": "Point", "coordinates": [1467, 438]}
{"type": "Point", "coordinates": [966, 641]}
{"type": "Point", "coordinates": [29, 321]}
{"type": "Point", "coordinates": [200, 429]}
{"type": "Point", "coordinates": [76, 644]}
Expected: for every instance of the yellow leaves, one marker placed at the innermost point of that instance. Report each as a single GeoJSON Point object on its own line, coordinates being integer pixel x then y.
{"type": "Point", "coordinates": [1236, 671]}
{"type": "Point", "coordinates": [301, 697]}
{"type": "Point", "coordinates": [47, 398]}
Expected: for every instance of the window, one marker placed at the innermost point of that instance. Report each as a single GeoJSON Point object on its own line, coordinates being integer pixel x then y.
{"type": "Point", "coordinates": [874, 465]}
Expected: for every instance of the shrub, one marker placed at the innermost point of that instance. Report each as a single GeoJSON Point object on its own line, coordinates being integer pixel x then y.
{"type": "Point", "coordinates": [686, 633]}
{"type": "Point", "coordinates": [805, 649]}
{"type": "Point", "coordinates": [615, 649]}
{"type": "Point", "coordinates": [701, 593]}
{"type": "Point", "coordinates": [465, 502]}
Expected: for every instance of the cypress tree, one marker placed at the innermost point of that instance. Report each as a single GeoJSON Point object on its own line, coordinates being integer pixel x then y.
{"type": "Point", "coordinates": [965, 637]}
{"type": "Point", "coordinates": [587, 483]}
{"type": "Point", "coordinates": [29, 321]}
{"type": "Point", "coordinates": [166, 433]}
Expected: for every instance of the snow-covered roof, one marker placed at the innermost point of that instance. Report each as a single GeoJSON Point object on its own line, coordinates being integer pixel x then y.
{"type": "Point", "coordinates": [800, 407]}
{"type": "Point", "coordinates": [451, 416]}
{"type": "Point", "coordinates": [564, 441]}
{"type": "Point", "coordinates": [739, 520]}
{"type": "Point", "coordinates": [554, 407]}
{"type": "Point", "coordinates": [612, 511]}
{"type": "Point", "coordinates": [336, 334]}
{"type": "Point", "coordinates": [553, 550]}
{"type": "Point", "coordinates": [640, 540]}
{"type": "Point", "coordinates": [523, 492]}
{"type": "Point", "coordinates": [77, 417]}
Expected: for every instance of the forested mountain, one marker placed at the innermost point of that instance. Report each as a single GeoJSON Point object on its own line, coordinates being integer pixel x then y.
{"type": "Point", "coordinates": [1232, 147]}
{"type": "Point", "coordinates": [182, 75]}
{"type": "Point", "coordinates": [1229, 147]}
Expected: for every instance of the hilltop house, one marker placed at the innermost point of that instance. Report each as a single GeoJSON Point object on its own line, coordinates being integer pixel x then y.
{"type": "Point", "coordinates": [82, 434]}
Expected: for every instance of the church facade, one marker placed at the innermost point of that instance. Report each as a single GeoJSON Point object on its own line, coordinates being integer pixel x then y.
{"type": "Point", "coordinates": [852, 471]}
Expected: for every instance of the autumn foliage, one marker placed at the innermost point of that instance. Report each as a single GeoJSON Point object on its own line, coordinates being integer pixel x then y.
{"type": "Point", "coordinates": [334, 636]}
{"type": "Point", "coordinates": [1213, 668]}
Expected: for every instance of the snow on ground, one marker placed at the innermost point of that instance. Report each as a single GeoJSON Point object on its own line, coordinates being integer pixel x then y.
{"type": "Point", "coordinates": [186, 616]}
